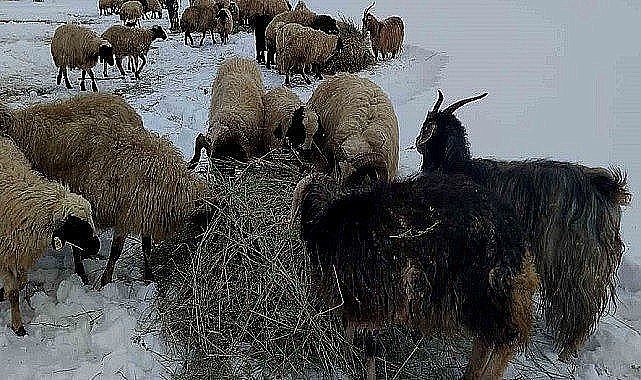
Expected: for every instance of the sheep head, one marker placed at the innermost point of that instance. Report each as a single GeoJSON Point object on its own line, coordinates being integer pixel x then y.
{"type": "Point", "coordinates": [302, 129]}
{"type": "Point", "coordinates": [442, 140]}
{"type": "Point", "coordinates": [310, 200]}
{"type": "Point", "coordinates": [158, 32]}
{"type": "Point", "coordinates": [79, 233]}
{"type": "Point", "coordinates": [106, 52]}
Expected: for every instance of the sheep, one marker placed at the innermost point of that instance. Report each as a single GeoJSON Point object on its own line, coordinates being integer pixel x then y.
{"type": "Point", "coordinates": [172, 12]}
{"type": "Point", "coordinates": [235, 12]}
{"type": "Point", "coordinates": [136, 181]}
{"type": "Point", "coordinates": [131, 12]}
{"type": "Point", "coordinates": [571, 215]}
{"type": "Point", "coordinates": [306, 46]}
{"type": "Point", "coordinates": [354, 129]}
{"type": "Point", "coordinates": [155, 8]}
{"type": "Point", "coordinates": [198, 19]}
{"type": "Point", "coordinates": [435, 253]}
{"type": "Point", "coordinates": [280, 105]}
{"type": "Point", "coordinates": [235, 113]}
{"type": "Point", "coordinates": [74, 46]}
{"type": "Point", "coordinates": [387, 35]}
{"type": "Point", "coordinates": [225, 25]}
{"type": "Point", "coordinates": [131, 42]}
{"type": "Point", "coordinates": [300, 15]}
{"type": "Point", "coordinates": [33, 214]}
{"type": "Point", "coordinates": [105, 7]}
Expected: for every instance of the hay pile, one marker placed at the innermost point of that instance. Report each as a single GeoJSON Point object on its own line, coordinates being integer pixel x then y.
{"type": "Point", "coordinates": [235, 301]}
{"type": "Point", "coordinates": [355, 56]}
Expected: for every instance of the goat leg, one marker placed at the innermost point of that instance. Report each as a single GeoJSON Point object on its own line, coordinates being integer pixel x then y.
{"type": "Point", "coordinates": [117, 244]}
{"type": "Point", "coordinates": [79, 266]}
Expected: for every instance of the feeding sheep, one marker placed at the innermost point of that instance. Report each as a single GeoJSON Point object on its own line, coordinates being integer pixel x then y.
{"type": "Point", "coordinates": [74, 46]}
{"type": "Point", "coordinates": [571, 215]}
{"type": "Point", "coordinates": [303, 46]}
{"type": "Point", "coordinates": [199, 19]}
{"type": "Point", "coordinates": [34, 214]}
{"type": "Point", "coordinates": [436, 253]}
{"type": "Point", "coordinates": [131, 42]}
{"type": "Point", "coordinates": [235, 113]}
{"type": "Point", "coordinates": [136, 181]}
{"type": "Point", "coordinates": [280, 105]}
{"type": "Point", "coordinates": [351, 123]}
{"type": "Point", "coordinates": [387, 35]}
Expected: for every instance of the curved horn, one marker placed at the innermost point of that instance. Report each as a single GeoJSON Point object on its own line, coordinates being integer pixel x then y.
{"type": "Point", "coordinates": [463, 102]}
{"type": "Point", "coordinates": [438, 102]}
{"type": "Point", "coordinates": [368, 8]}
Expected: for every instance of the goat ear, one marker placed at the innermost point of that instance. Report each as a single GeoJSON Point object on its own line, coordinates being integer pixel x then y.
{"type": "Point", "coordinates": [426, 134]}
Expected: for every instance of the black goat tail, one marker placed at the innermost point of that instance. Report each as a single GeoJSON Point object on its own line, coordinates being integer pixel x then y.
{"type": "Point", "coordinates": [612, 184]}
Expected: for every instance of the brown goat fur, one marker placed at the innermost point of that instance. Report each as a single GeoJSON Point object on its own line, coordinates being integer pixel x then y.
{"type": "Point", "coordinates": [136, 181]}
{"type": "Point", "coordinates": [387, 35]}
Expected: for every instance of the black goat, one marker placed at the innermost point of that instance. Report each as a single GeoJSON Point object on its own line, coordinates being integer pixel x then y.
{"type": "Point", "coordinates": [570, 214]}
{"type": "Point", "coordinates": [325, 23]}
{"type": "Point", "coordinates": [260, 24]}
{"type": "Point", "coordinates": [437, 253]}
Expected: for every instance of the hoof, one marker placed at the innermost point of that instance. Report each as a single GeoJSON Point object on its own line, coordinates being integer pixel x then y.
{"type": "Point", "coordinates": [1, 294]}
{"type": "Point", "coordinates": [20, 331]}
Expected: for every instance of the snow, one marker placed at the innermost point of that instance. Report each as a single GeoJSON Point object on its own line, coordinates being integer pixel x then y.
{"type": "Point", "coordinates": [564, 79]}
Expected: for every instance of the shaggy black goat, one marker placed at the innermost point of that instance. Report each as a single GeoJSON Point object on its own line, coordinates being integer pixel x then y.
{"type": "Point", "coordinates": [570, 214]}
{"type": "Point", "coordinates": [325, 23]}
{"type": "Point", "coordinates": [436, 253]}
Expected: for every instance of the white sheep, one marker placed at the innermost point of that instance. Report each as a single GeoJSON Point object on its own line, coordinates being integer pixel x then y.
{"type": "Point", "coordinates": [356, 132]}
{"type": "Point", "coordinates": [280, 105]}
{"type": "Point", "coordinates": [34, 214]}
{"type": "Point", "coordinates": [131, 12]}
{"type": "Point", "coordinates": [136, 181]}
{"type": "Point", "coordinates": [235, 113]}
{"type": "Point", "coordinates": [74, 46]}
{"type": "Point", "coordinates": [299, 15]}
{"type": "Point", "coordinates": [131, 42]}
{"type": "Point", "coordinates": [303, 46]}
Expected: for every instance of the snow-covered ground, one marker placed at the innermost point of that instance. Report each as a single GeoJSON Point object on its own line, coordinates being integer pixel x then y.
{"type": "Point", "coordinates": [564, 79]}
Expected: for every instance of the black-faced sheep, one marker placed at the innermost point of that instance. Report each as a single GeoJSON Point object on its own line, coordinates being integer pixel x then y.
{"type": "Point", "coordinates": [131, 42]}
{"type": "Point", "coordinates": [34, 214]}
{"type": "Point", "coordinates": [199, 19]}
{"type": "Point", "coordinates": [570, 213]}
{"type": "Point", "coordinates": [387, 35]}
{"type": "Point", "coordinates": [225, 24]}
{"type": "Point", "coordinates": [356, 129]}
{"type": "Point", "coordinates": [235, 113]}
{"type": "Point", "coordinates": [131, 12]}
{"type": "Point", "coordinates": [74, 46]}
{"type": "Point", "coordinates": [436, 253]}
{"type": "Point", "coordinates": [137, 182]}
{"type": "Point", "coordinates": [304, 46]}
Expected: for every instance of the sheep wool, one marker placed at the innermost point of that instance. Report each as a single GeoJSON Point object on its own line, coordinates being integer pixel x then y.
{"type": "Point", "coordinates": [303, 45]}
{"type": "Point", "coordinates": [38, 207]}
{"type": "Point", "coordinates": [225, 24]}
{"type": "Point", "coordinates": [155, 8]}
{"type": "Point", "coordinates": [131, 41]}
{"type": "Point", "coordinates": [198, 19]}
{"type": "Point", "coordinates": [300, 15]}
{"type": "Point", "coordinates": [75, 47]}
{"type": "Point", "coordinates": [357, 126]}
{"type": "Point", "coordinates": [235, 112]}
{"type": "Point", "coordinates": [280, 104]}
{"type": "Point", "coordinates": [131, 10]}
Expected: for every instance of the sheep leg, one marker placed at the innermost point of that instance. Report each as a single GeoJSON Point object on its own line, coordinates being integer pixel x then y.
{"type": "Point", "coordinates": [93, 81]}
{"type": "Point", "coordinates": [305, 77]}
{"type": "Point", "coordinates": [1, 294]}
{"type": "Point", "coordinates": [59, 79]}
{"type": "Point", "coordinates": [287, 77]}
{"type": "Point", "coordinates": [488, 361]}
{"type": "Point", "coordinates": [104, 69]}
{"type": "Point", "coordinates": [146, 252]}
{"type": "Point", "coordinates": [119, 65]}
{"type": "Point", "coordinates": [203, 38]}
{"type": "Point", "coordinates": [319, 76]}
{"type": "Point", "coordinates": [64, 73]}
{"type": "Point", "coordinates": [144, 61]}
{"type": "Point", "coordinates": [213, 40]}
{"type": "Point", "coordinates": [117, 244]}
{"type": "Point", "coordinates": [82, 81]}
{"type": "Point", "coordinates": [12, 292]}
{"type": "Point", "coordinates": [79, 266]}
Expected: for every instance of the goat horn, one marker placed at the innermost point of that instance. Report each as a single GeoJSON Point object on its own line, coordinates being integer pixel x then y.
{"type": "Point", "coordinates": [368, 8]}
{"type": "Point", "coordinates": [438, 102]}
{"type": "Point", "coordinates": [463, 102]}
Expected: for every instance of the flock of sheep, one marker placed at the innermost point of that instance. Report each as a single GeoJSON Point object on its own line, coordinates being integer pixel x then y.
{"type": "Point", "coordinates": [462, 246]}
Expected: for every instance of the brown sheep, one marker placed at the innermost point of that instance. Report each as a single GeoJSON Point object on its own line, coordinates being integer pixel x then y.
{"type": "Point", "coordinates": [199, 19]}
{"type": "Point", "coordinates": [136, 181]}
